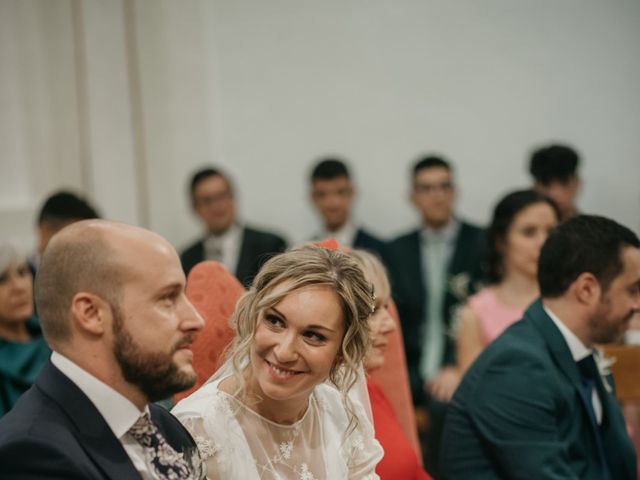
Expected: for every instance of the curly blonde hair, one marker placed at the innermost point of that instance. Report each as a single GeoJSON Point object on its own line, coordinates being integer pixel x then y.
{"type": "Point", "coordinates": [299, 268]}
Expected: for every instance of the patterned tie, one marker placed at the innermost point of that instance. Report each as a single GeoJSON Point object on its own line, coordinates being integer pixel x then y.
{"type": "Point", "coordinates": [167, 463]}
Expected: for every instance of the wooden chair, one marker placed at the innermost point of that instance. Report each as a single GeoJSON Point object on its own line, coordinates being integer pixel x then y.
{"type": "Point", "coordinates": [626, 373]}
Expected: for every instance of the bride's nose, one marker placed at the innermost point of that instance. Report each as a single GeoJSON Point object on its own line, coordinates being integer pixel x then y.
{"type": "Point", "coordinates": [285, 349]}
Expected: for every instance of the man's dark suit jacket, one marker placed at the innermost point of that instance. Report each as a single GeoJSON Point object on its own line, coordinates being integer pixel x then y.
{"type": "Point", "coordinates": [519, 413]}
{"type": "Point", "coordinates": [366, 241]}
{"type": "Point", "coordinates": [410, 292]}
{"type": "Point", "coordinates": [257, 246]}
{"type": "Point", "coordinates": [55, 432]}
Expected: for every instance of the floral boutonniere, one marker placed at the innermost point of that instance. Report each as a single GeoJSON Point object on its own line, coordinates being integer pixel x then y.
{"type": "Point", "coordinates": [459, 285]}
{"type": "Point", "coordinates": [604, 368]}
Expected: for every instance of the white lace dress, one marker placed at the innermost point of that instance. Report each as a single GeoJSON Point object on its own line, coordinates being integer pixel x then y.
{"type": "Point", "coordinates": [237, 443]}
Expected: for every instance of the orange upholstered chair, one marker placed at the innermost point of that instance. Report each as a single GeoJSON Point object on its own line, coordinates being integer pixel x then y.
{"type": "Point", "coordinates": [393, 379]}
{"type": "Point", "coordinates": [214, 292]}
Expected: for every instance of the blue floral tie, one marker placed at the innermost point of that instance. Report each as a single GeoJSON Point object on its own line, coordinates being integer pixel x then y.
{"type": "Point", "coordinates": [167, 463]}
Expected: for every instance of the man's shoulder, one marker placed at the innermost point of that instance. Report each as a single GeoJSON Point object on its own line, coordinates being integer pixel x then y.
{"type": "Point", "coordinates": [35, 422]}
{"type": "Point", "coordinates": [263, 236]}
{"type": "Point", "coordinates": [192, 249]}
{"type": "Point", "coordinates": [471, 231]}
{"type": "Point", "coordinates": [404, 239]}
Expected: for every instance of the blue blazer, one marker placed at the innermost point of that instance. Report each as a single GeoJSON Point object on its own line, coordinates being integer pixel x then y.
{"type": "Point", "coordinates": [519, 413]}
{"type": "Point", "coordinates": [55, 432]}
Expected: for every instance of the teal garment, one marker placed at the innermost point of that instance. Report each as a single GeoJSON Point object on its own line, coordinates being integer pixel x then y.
{"type": "Point", "coordinates": [20, 364]}
{"type": "Point", "coordinates": [520, 413]}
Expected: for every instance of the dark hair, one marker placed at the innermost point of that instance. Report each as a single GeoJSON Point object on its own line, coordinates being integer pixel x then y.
{"type": "Point", "coordinates": [586, 243]}
{"type": "Point", "coordinates": [504, 214]}
{"type": "Point", "coordinates": [553, 163]}
{"type": "Point", "coordinates": [430, 161]}
{"type": "Point", "coordinates": [63, 206]}
{"type": "Point", "coordinates": [328, 169]}
{"type": "Point", "coordinates": [203, 174]}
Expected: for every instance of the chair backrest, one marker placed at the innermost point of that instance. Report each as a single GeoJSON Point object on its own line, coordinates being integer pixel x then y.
{"type": "Point", "coordinates": [625, 369]}
{"type": "Point", "coordinates": [393, 379]}
{"type": "Point", "coordinates": [214, 292]}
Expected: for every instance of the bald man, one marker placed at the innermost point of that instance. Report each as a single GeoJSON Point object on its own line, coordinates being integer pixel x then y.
{"type": "Point", "coordinates": [113, 309]}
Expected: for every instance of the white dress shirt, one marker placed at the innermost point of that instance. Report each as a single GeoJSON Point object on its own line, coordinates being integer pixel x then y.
{"type": "Point", "coordinates": [228, 243]}
{"type": "Point", "coordinates": [579, 351]}
{"type": "Point", "coordinates": [345, 235]}
{"type": "Point", "coordinates": [118, 412]}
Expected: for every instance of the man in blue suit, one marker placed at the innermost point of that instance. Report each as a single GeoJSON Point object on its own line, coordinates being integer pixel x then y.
{"type": "Point", "coordinates": [113, 309]}
{"type": "Point", "coordinates": [539, 402]}
{"type": "Point", "coordinates": [332, 194]}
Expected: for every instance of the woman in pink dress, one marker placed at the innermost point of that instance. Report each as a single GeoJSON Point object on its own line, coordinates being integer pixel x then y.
{"type": "Point", "coordinates": [520, 225]}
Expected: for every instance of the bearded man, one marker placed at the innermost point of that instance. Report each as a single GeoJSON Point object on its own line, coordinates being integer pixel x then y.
{"type": "Point", "coordinates": [112, 306]}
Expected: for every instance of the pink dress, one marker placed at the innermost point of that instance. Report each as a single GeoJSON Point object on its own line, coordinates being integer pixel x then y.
{"type": "Point", "coordinates": [494, 316]}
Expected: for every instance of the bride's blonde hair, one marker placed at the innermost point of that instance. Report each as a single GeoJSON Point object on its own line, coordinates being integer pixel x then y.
{"type": "Point", "coordinates": [299, 268]}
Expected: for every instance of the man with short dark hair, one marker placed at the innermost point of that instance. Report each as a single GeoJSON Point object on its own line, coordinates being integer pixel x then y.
{"type": "Point", "coordinates": [112, 305]}
{"type": "Point", "coordinates": [554, 169]}
{"type": "Point", "coordinates": [539, 402]}
{"type": "Point", "coordinates": [59, 210]}
{"type": "Point", "coordinates": [240, 248]}
{"type": "Point", "coordinates": [332, 194]}
{"type": "Point", "coordinates": [433, 269]}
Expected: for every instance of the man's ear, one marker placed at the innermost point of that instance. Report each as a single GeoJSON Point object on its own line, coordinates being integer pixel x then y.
{"type": "Point", "coordinates": [587, 289]}
{"type": "Point", "coordinates": [90, 313]}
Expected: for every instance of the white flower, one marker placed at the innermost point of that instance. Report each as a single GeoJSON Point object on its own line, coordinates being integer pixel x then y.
{"type": "Point", "coordinates": [285, 449]}
{"type": "Point", "coordinates": [459, 285]}
{"type": "Point", "coordinates": [305, 473]}
{"type": "Point", "coordinates": [604, 367]}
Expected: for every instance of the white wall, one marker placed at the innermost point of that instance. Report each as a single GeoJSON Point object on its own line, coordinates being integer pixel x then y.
{"type": "Point", "coordinates": [125, 98]}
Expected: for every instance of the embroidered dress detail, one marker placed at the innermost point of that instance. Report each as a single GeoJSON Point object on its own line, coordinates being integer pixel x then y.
{"type": "Point", "coordinates": [237, 442]}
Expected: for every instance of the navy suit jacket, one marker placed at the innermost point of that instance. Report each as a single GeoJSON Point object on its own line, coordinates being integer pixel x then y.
{"type": "Point", "coordinates": [55, 432]}
{"type": "Point", "coordinates": [257, 246]}
{"type": "Point", "coordinates": [366, 241]}
{"type": "Point", "coordinates": [519, 413]}
{"type": "Point", "coordinates": [410, 291]}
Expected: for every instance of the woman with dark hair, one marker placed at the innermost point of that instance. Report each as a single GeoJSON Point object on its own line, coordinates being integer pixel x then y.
{"type": "Point", "coordinates": [520, 225]}
{"type": "Point", "coordinates": [23, 350]}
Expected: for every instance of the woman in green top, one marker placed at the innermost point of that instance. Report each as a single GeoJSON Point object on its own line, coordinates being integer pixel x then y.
{"type": "Point", "coordinates": [23, 350]}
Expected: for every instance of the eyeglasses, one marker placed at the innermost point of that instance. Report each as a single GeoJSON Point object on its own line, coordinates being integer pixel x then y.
{"type": "Point", "coordinates": [428, 188]}
{"type": "Point", "coordinates": [214, 198]}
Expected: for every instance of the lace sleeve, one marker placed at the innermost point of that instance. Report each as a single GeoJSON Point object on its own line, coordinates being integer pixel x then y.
{"type": "Point", "coordinates": [206, 445]}
{"type": "Point", "coordinates": [364, 451]}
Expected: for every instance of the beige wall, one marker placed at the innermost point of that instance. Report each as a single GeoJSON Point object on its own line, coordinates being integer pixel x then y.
{"type": "Point", "coordinates": [122, 99]}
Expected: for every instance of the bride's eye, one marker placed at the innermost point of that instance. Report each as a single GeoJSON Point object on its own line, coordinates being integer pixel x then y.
{"type": "Point", "coordinates": [314, 337]}
{"type": "Point", "coordinates": [273, 320]}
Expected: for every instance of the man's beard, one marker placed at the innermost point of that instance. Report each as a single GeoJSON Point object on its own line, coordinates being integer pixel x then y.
{"type": "Point", "coordinates": [156, 374]}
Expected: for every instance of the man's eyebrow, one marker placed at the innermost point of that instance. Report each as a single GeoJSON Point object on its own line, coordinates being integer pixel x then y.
{"type": "Point", "coordinates": [175, 287]}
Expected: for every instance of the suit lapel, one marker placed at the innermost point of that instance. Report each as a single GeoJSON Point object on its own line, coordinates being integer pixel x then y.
{"type": "Point", "coordinates": [414, 266]}
{"type": "Point", "coordinates": [92, 432]}
{"type": "Point", "coordinates": [245, 256]}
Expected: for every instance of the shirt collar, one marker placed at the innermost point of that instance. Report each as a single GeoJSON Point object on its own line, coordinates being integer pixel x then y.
{"type": "Point", "coordinates": [345, 235]}
{"type": "Point", "coordinates": [118, 411]}
{"type": "Point", "coordinates": [229, 233]}
{"type": "Point", "coordinates": [448, 232]}
{"type": "Point", "coordinates": [577, 348]}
